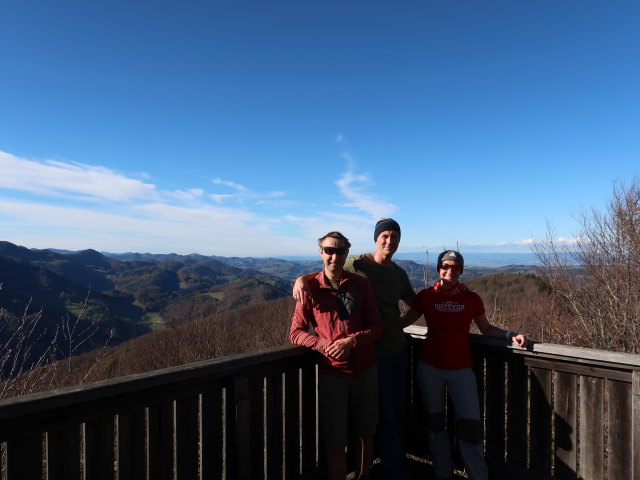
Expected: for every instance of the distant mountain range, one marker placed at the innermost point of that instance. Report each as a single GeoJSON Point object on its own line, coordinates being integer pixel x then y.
{"type": "Point", "coordinates": [122, 297]}
{"type": "Point", "coordinates": [474, 259]}
{"type": "Point", "coordinates": [130, 294]}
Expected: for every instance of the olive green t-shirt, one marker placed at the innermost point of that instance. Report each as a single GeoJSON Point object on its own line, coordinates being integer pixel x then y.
{"type": "Point", "coordinates": [390, 284]}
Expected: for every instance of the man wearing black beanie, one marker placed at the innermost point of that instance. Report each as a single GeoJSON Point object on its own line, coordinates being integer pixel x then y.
{"type": "Point", "coordinates": [390, 284]}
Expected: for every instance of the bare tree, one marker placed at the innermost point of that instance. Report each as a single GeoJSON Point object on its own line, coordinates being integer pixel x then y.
{"type": "Point", "coordinates": [35, 358]}
{"type": "Point", "coordinates": [597, 278]}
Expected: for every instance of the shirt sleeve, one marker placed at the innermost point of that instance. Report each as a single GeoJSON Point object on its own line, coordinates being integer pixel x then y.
{"type": "Point", "coordinates": [479, 306]}
{"type": "Point", "coordinates": [408, 293]}
{"type": "Point", "coordinates": [300, 324]}
{"type": "Point", "coordinates": [418, 303]}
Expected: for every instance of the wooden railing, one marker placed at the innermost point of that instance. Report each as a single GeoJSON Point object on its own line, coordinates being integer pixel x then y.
{"type": "Point", "coordinates": [553, 412]}
{"type": "Point", "coordinates": [240, 417]}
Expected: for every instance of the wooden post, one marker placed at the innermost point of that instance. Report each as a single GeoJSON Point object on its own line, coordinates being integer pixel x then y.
{"type": "Point", "coordinates": [243, 427]}
{"type": "Point", "coordinates": [635, 421]}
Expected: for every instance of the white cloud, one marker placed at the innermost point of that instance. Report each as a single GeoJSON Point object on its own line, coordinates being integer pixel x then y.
{"type": "Point", "coordinates": [70, 180]}
{"type": "Point", "coordinates": [353, 187]}
{"type": "Point", "coordinates": [243, 193]}
{"type": "Point", "coordinates": [190, 194]}
{"type": "Point", "coordinates": [218, 198]}
{"type": "Point", "coordinates": [236, 186]}
{"type": "Point", "coordinates": [113, 212]}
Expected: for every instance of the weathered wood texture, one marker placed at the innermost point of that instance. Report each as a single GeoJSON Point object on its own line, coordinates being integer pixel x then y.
{"type": "Point", "coordinates": [553, 412]}
{"type": "Point", "coordinates": [246, 416]}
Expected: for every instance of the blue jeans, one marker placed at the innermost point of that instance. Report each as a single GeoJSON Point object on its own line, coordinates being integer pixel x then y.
{"type": "Point", "coordinates": [393, 371]}
{"type": "Point", "coordinates": [461, 385]}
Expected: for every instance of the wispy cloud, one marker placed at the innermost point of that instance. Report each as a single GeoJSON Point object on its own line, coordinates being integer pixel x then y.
{"type": "Point", "coordinates": [236, 186]}
{"type": "Point", "coordinates": [72, 179]}
{"type": "Point", "coordinates": [115, 212]}
{"type": "Point", "coordinates": [355, 188]}
{"type": "Point", "coordinates": [242, 193]}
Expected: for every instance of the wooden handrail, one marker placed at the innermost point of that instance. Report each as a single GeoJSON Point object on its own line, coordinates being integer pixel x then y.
{"type": "Point", "coordinates": [254, 415]}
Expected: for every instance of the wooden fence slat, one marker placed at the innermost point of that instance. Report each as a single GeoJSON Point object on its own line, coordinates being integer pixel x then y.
{"type": "Point", "coordinates": [187, 438]}
{"type": "Point", "coordinates": [540, 445]}
{"type": "Point", "coordinates": [566, 425]}
{"type": "Point", "coordinates": [242, 438]}
{"type": "Point", "coordinates": [635, 422]}
{"type": "Point", "coordinates": [132, 456]}
{"type": "Point", "coordinates": [517, 412]}
{"type": "Point", "coordinates": [494, 417]}
{"type": "Point", "coordinates": [591, 433]}
{"type": "Point", "coordinates": [213, 418]}
{"type": "Point", "coordinates": [275, 436]}
{"type": "Point", "coordinates": [161, 444]}
{"type": "Point", "coordinates": [257, 425]}
{"type": "Point", "coordinates": [292, 423]}
{"type": "Point", "coordinates": [63, 453]}
{"type": "Point", "coordinates": [619, 442]}
{"type": "Point", "coordinates": [99, 453]}
{"type": "Point", "coordinates": [309, 419]}
{"type": "Point", "coordinates": [24, 458]}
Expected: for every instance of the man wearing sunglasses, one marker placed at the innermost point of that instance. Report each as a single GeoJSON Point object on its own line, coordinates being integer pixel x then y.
{"type": "Point", "coordinates": [341, 308]}
{"type": "Point", "coordinates": [390, 284]}
{"type": "Point", "coordinates": [445, 359]}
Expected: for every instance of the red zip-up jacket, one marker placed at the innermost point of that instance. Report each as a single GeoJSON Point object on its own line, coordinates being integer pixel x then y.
{"type": "Point", "coordinates": [350, 311]}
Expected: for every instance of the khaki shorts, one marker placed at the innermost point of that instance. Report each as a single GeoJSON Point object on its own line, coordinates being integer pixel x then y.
{"type": "Point", "coordinates": [345, 401]}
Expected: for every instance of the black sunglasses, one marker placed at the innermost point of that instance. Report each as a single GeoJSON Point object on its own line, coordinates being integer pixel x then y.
{"type": "Point", "coordinates": [337, 250]}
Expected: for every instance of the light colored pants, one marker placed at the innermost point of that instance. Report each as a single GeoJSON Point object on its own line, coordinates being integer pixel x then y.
{"type": "Point", "coordinates": [462, 388]}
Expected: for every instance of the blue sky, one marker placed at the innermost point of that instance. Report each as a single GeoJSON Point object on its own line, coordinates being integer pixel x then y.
{"type": "Point", "coordinates": [251, 128]}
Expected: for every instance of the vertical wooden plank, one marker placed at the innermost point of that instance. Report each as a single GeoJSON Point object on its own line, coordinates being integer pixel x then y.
{"type": "Point", "coordinates": [591, 433]}
{"type": "Point", "coordinates": [187, 438]}
{"type": "Point", "coordinates": [620, 441]}
{"type": "Point", "coordinates": [24, 458]}
{"type": "Point", "coordinates": [230, 428]}
{"type": "Point", "coordinates": [566, 423]}
{"type": "Point", "coordinates": [99, 453]}
{"type": "Point", "coordinates": [309, 419]}
{"type": "Point", "coordinates": [292, 423]}
{"type": "Point", "coordinates": [540, 445]}
{"type": "Point", "coordinates": [517, 412]}
{"type": "Point", "coordinates": [161, 438]}
{"type": "Point", "coordinates": [243, 433]}
{"type": "Point", "coordinates": [495, 408]}
{"type": "Point", "coordinates": [275, 437]}
{"type": "Point", "coordinates": [257, 426]}
{"type": "Point", "coordinates": [635, 422]}
{"type": "Point", "coordinates": [132, 452]}
{"type": "Point", "coordinates": [63, 453]}
{"type": "Point", "coordinates": [213, 461]}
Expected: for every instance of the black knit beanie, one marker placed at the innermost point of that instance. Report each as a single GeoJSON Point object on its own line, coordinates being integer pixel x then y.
{"type": "Point", "coordinates": [451, 255]}
{"type": "Point", "coordinates": [383, 225]}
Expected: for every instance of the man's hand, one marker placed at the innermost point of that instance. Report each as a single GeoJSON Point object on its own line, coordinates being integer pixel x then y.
{"type": "Point", "coordinates": [520, 340]}
{"type": "Point", "coordinates": [340, 349]}
{"type": "Point", "coordinates": [300, 286]}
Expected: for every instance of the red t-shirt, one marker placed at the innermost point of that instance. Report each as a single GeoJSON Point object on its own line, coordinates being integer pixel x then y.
{"type": "Point", "coordinates": [448, 316]}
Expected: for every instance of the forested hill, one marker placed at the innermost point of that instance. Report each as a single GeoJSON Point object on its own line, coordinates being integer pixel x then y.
{"type": "Point", "coordinates": [122, 298]}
